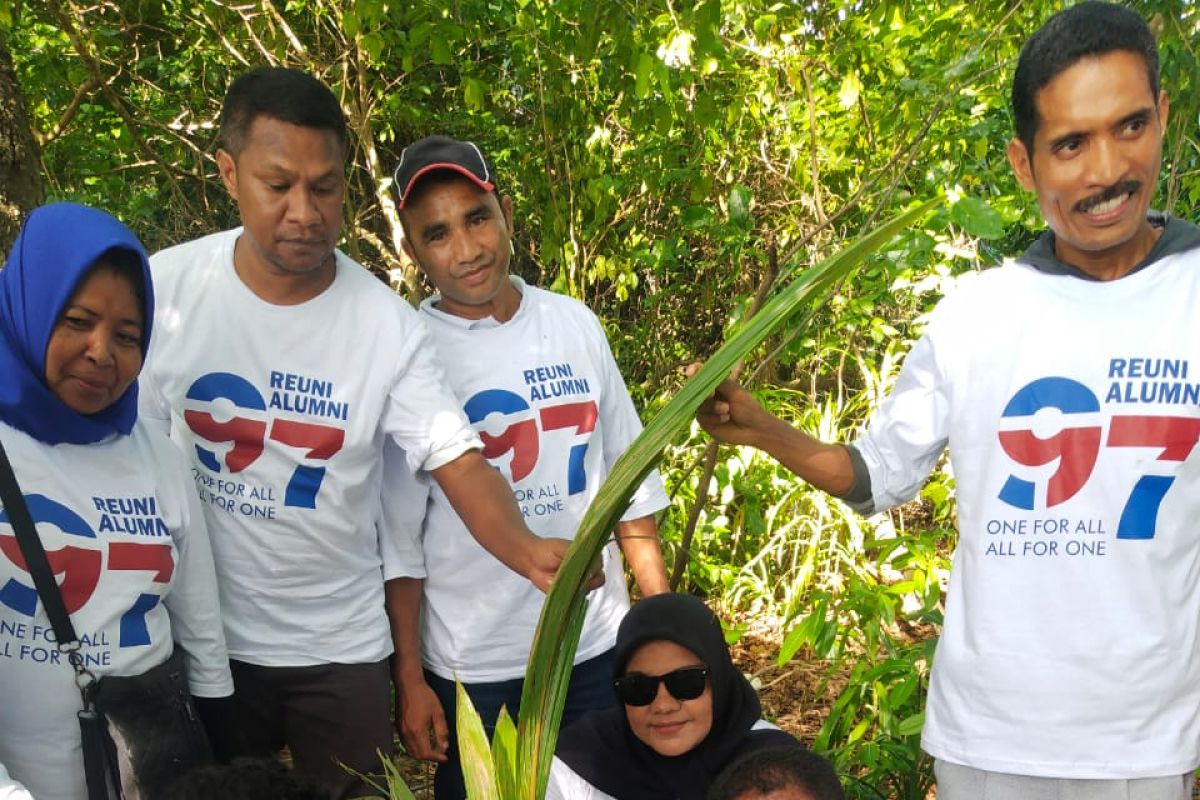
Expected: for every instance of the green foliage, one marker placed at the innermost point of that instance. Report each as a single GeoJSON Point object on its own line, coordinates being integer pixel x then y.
{"type": "Point", "coordinates": [655, 154]}
{"type": "Point", "coordinates": [667, 162]}
{"type": "Point", "coordinates": [478, 766]}
{"type": "Point", "coordinates": [500, 771]}
{"type": "Point", "coordinates": [875, 633]}
{"type": "Point", "coordinates": [552, 654]}
{"type": "Point", "coordinates": [861, 596]}
{"type": "Point", "coordinates": [393, 785]}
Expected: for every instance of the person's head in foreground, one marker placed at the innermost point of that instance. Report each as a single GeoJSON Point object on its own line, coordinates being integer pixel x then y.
{"type": "Point", "coordinates": [778, 773]}
{"type": "Point", "coordinates": [685, 710]}
{"type": "Point", "coordinates": [1089, 118]}
{"type": "Point", "coordinates": [75, 313]}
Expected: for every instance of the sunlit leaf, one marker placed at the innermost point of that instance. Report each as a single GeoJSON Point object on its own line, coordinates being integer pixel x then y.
{"type": "Point", "coordinates": [439, 49]}
{"type": "Point", "coordinates": [479, 772]}
{"type": "Point", "coordinates": [373, 43]}
{"type": "Point", "coordinates": [504, 753]}
{"type": "Point", "coordinates": [739, 203]}
{"type": "Point", "coordinates": [977, 218]}
{"type": "Point", "coordinates": [851, 86]}
{"type": "Point", "coordinates": [473, 93]}
{"type": "Point", "coordinates": [912, 725]}
{"type": "Point", "coordinates": [764, 25]}
{"type": "Point", "coordinates": [642, 75]}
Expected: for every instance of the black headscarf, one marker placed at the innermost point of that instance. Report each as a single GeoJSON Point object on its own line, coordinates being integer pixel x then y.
{"type": "Point", "coordinates": [603, 750]}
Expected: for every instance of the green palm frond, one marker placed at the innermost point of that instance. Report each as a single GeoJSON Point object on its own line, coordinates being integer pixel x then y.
{"type": "Point", "coordinates": [557, 636]}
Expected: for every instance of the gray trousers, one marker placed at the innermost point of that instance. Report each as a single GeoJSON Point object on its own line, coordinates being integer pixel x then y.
{"type": "Point", "coordinates": [956, 782]}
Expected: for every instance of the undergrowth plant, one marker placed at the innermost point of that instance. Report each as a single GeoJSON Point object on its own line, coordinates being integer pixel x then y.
{"type": "Point", "coordinates": [860, 595]}
{"type": "Point", "coordinates": [516, 764]}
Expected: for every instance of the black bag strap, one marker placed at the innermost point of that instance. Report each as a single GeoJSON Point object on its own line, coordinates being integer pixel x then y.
{"type": "Point", "coordinates": [93, 735]}
{"type": "Point", "coordinates": [34, 554]}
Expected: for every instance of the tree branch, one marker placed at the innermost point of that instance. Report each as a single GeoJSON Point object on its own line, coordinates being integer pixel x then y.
{"type": "Point", "coordinates": [82, 93]}
{"type": "Point", "coordinates": [711, 449]}
{"type": "Point", "coordinates": [70, 25]}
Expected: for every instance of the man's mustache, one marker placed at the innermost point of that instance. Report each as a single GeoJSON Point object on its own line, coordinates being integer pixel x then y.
{"type": "Point", "coordinates": [1116, 190]}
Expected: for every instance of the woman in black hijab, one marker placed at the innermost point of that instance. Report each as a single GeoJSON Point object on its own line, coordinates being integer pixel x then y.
{"type": "Point", "coordinates": [685, 712]}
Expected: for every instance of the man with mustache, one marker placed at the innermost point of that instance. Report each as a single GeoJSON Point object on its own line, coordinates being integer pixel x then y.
{"type": "Point", "coordinates": [281, 367]}
{"type": "Point", "coordinates": [1066, 385]}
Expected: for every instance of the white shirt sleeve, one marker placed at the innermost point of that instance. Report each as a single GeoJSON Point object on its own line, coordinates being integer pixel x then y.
{"type": "Point", "coordinates": [404, 498]}
{"type": "Point", "coordinates": [422, 413]}
{"type": "Point", "coordinates": [192, 603]}
{"type": "Point", "coordinates": [908, 433]}
{"type": "Point", "coordinates": [11, 789]}
{"type": "Point", "coordinates": [153, 408]}
{"type": "Point", "coordinates": [565, 784]}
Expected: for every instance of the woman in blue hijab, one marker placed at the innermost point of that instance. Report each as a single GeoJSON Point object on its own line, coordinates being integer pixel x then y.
{"type": "Point", "coordinates": [111, 500]}
{"type": "Point", "coordinates": [56, 248]}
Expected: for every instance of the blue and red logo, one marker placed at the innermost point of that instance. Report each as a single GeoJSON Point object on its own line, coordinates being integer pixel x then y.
{"type": "Point", "coordinates": [522, 437]}
{"type": "Point", "coordinates": [1077, 446]}
{"type": "Point", "coordinates": [226, 409]}
{"type": "Point", "coordinates": [76, 563]}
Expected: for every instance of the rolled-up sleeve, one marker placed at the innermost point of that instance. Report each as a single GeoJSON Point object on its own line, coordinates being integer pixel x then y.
{"type": "Point", "coordinates": [422, 413]}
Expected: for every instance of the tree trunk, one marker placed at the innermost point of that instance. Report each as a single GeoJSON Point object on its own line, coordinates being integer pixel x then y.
{"type": "Point", "coordinates": [20, 180]}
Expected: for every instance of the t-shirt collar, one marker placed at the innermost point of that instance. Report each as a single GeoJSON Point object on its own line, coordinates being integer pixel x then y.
{"type": "Point", "coordinates": [1177, 235]}
{"type": "Point", "coordinates": [428, 305]}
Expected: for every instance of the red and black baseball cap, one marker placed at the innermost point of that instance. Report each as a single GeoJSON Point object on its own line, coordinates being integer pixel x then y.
{"type": "Point", "coordinates": [437, 153]}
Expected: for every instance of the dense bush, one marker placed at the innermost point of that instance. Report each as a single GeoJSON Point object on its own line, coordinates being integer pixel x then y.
{"type": "Point", "coordinates": [668, 162]}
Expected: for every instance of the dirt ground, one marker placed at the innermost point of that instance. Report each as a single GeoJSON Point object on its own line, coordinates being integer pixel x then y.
{"type": "Point", "coordinates": [790, 695]}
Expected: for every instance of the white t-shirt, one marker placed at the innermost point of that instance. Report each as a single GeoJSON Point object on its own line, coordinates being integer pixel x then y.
{"type": "Point", "coordinates": [1071, 645]}
{"type": "Point", "coordinates": [124, 533]}
{"type": "Point", "coordinates": [10, 789]}
{"type": "Point", "coordinates": [566, 784]}
{"type": "Point", "coordinates": [546, 397]}
{"type": "Point", "coordinates": [283, 411]}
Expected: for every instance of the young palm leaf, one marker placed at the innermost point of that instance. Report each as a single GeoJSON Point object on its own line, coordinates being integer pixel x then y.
{"type": "Point", "coordinates": [479, 772]}
{"type": "Point", "coordinates": [557, 636]}
{"type": "Point", "coordinates": [504, 753]}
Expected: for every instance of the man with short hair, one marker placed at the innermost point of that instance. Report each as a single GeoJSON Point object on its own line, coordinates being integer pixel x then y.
{"type": "Point", "coordinates": [1064, 385]}
{"type": "Point", "coordinates": [535, 374]}
{"type": "Point", "coordinates": [281, 367]}
{"type": "Point", "coordinates": [778, 773]}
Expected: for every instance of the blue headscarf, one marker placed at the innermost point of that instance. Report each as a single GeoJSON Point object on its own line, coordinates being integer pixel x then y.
{"type": "Point", "coordinates": [57, 246]}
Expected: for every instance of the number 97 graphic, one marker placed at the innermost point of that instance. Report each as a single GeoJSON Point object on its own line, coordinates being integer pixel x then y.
{"type": "Point", "coordinates": [1077, 450]}
{"type": "Point", "coordinates": [248, 435]}
{"type": "Point", "coordinates": [521, 437]}
{"type": "Point", "coordinates": [79, 565]}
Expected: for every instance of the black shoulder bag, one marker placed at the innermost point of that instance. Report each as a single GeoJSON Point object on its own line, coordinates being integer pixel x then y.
{"type": "Point", "coordinates": [139, 732]}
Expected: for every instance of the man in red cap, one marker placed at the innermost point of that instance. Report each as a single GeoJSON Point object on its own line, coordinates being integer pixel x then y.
{"type": "Point", "coordinates": [537, 379]}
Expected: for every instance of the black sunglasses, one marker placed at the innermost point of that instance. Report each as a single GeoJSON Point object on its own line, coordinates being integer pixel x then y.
{"type": "Point", "coordinates": [637, 689]}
